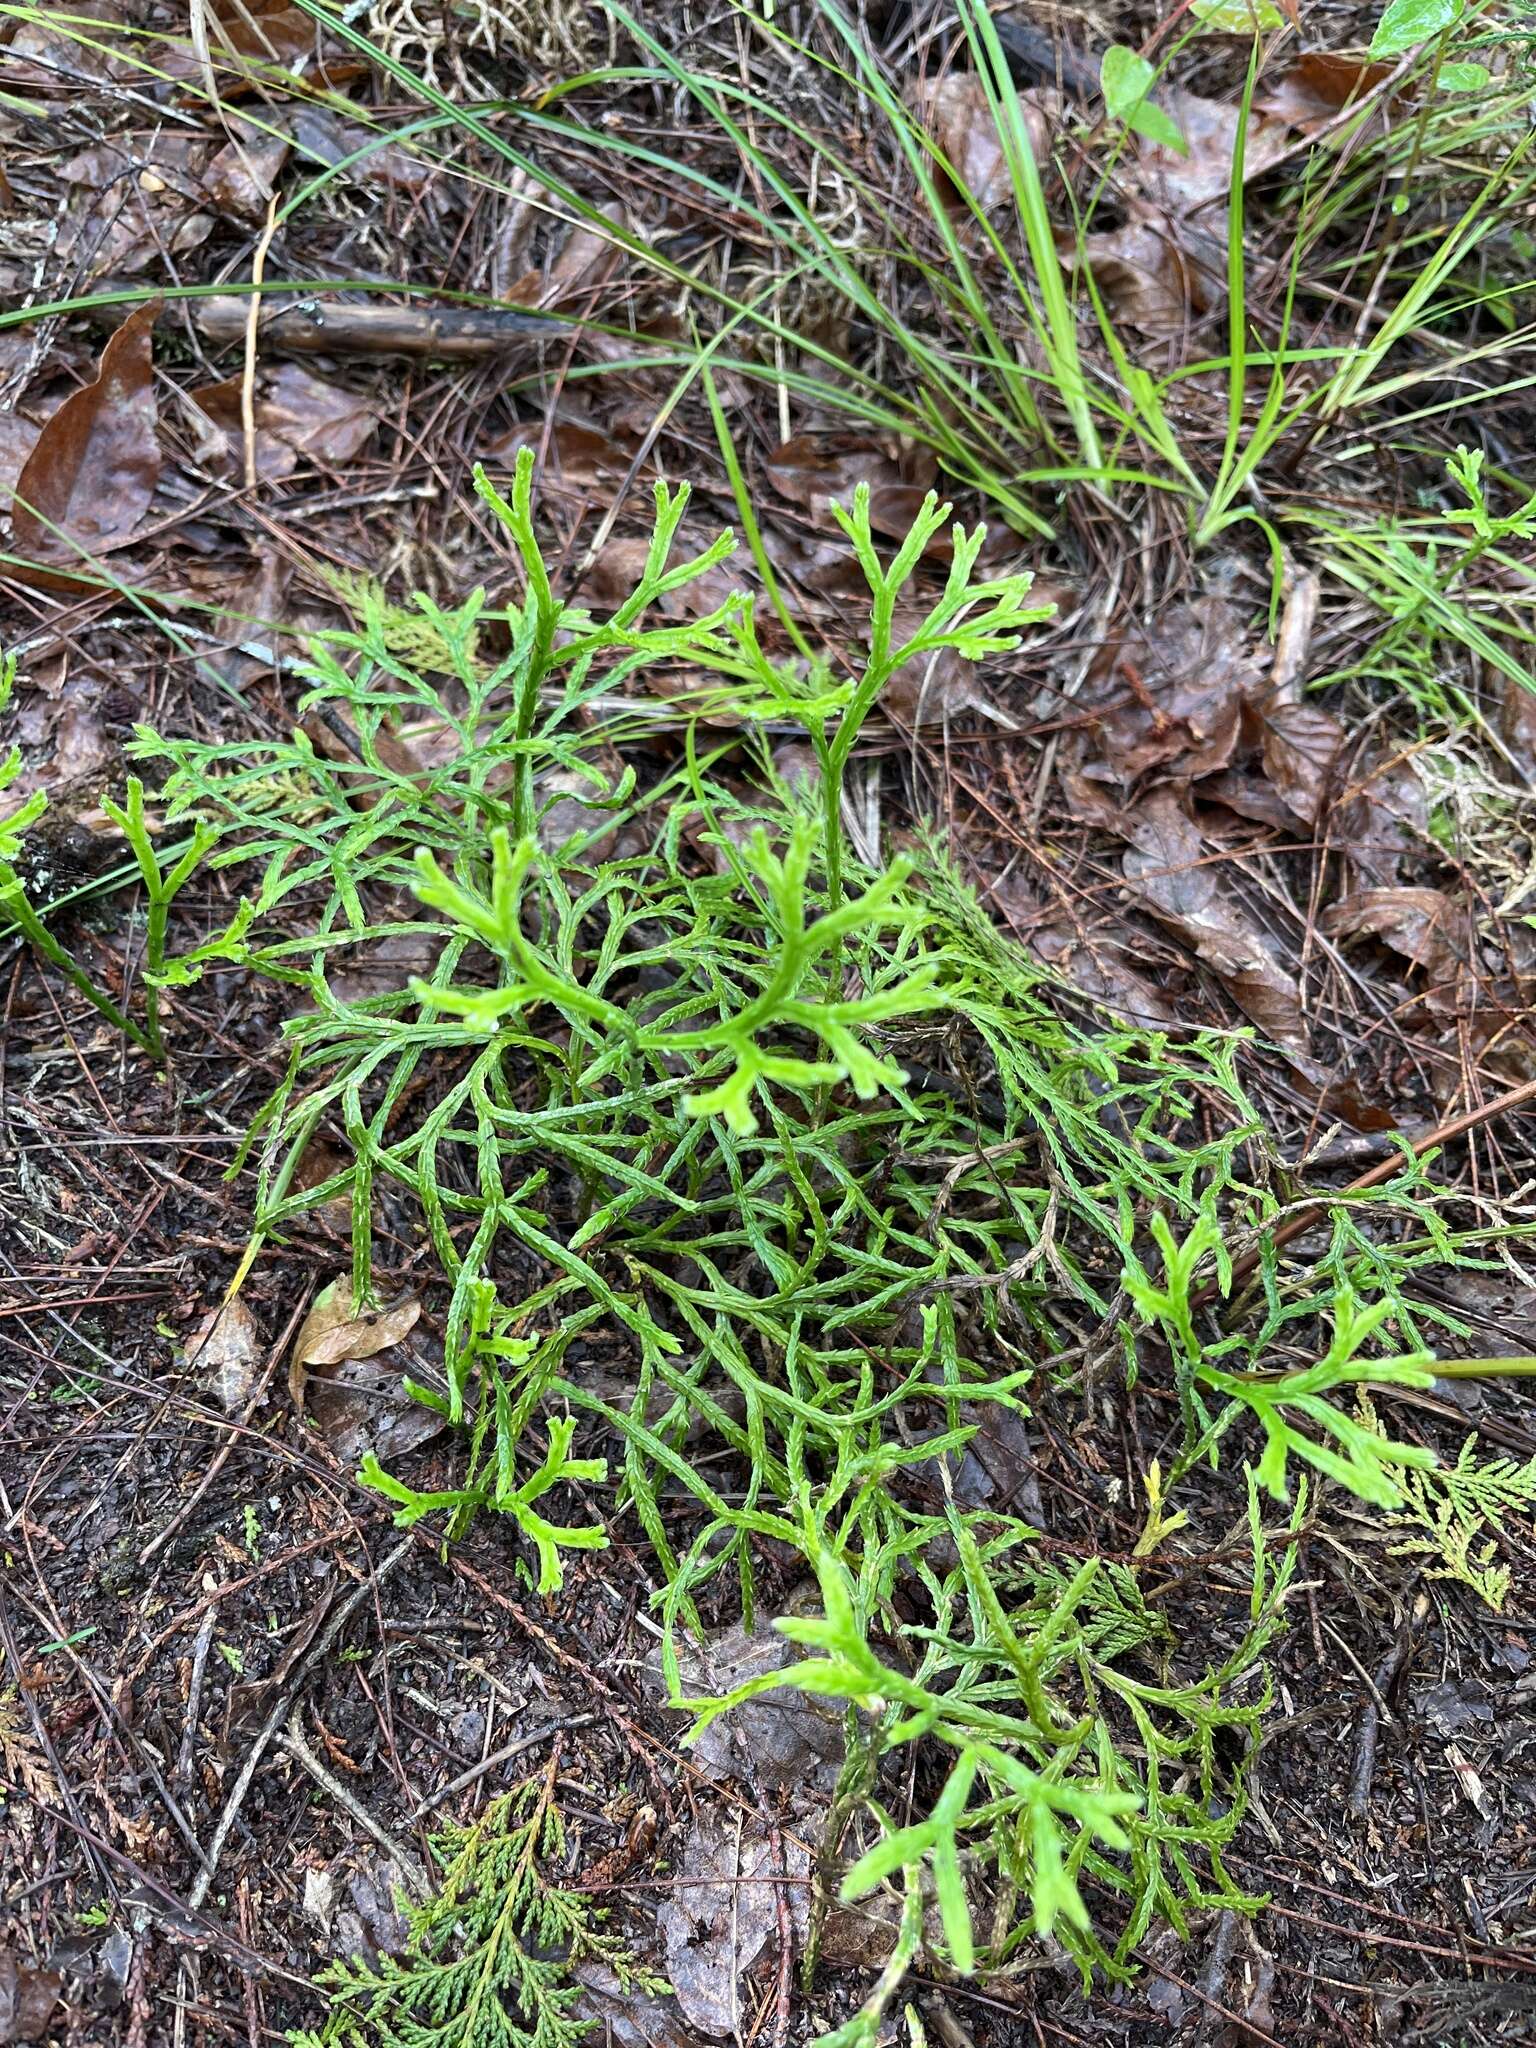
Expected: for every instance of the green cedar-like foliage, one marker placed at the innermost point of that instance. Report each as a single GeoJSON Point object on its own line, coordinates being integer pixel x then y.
{"type": "Point", "coordinates": [489, 1958]}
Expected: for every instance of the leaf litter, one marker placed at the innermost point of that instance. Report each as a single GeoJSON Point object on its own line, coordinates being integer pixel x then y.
{"type": "Point", "coordinates": [347, 1371]}
{"type": "Point", "coordinates": [89, 481]}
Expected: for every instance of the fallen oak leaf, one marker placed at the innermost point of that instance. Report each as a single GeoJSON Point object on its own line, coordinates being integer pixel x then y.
{"type": "Point", "coordinates": [297, 416]}
{"type": "Point", "coordinates": [812, 469]}
{"type": "Point", "coordinates": [1299, 744]}
{"type": "Point", "coordinates": [342, 1376]}
{"type": "Point", "coordinates": [334, 1329]}
{"type": "Point", "coordinates": [1318, 87]}
{"type": "Point", "coordinates": [91, 476]}
{"type": "Point", "coordinates": [1185, 180]}
{"type": "Point", "coordinates": [1166, 865]}
{"type": "Point", "coordinates": [957, 113]}
{"type": "Point", "coordinates": [28, 1999]}
{"type": "Point", "coordinates": [1413, 922]}
{"type": "Point", "coordinates": [1154, 274]}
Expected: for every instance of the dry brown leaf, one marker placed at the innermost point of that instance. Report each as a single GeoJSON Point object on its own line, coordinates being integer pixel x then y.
{"type": "Point", "coordinates": [1102, 970]}
{"type": "Point", "coordinates": [612, 577]}
{"type": "Point", "coordinates": [1155, 274]}
{"type": "Point", "coordinates": [956, 112]}
{"type": "Point", "coordinates": [225, 1352]}
{"type": "Point", "coordinates": [1381, 815]}
{"type": "Point", "coordinates": [249, 39]}
{"type": "Point", "coordinates": [28, 1999]}
{"type": "Point", "coordinates": [624, 2016]}
{"type": "Point", "coordinates": [936, 687]}
{"type": "Point", "coordinates": [717, 1920]}
{"type": "Point", "coordinates": [241, 178]}
{"type": "Point", "coordinates": [1249, 796]}
{"type": "Point", "coordinates": [43, 58]}
{"type": "Point", "coordinates": [786, 1741]}
{"type": "Point", "coordinates": [580, 457]}
{"type": "Point", "coordinates": [1299, 744]}
{"type": "Point", "coordinates": [812, 469]}
{"type": "Point", "coordinates": [18, 437]}
{"type": "Point", "coordinates": [333, 1330]}
{"type": "Point", "coordinates": [149, 202]}
{"type": "Point", "coordinates": [298, 416]}
{"type": "Point", "coordinates": [587, 260]}
{"type": "Point", "coordinates": [1418, 924]}
{"type": "Point", "coordinates": [1184, 182]}
{"type": "Point", "coordinates": [320, 134]}
{"type": "Point", "coordinates": [1167, 867]}
{"type": "Point", "coordinates": [1172, 697]}
{"type": "Point", "coordinates": [93, 472]}
{"type": "Point", "coordinates": [1318, 86]}
{"type": "Point", "coordinates": [348, 1371]}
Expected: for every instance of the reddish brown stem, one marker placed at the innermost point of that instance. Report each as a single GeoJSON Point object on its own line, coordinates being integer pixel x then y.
{"type": "Point", "coordinates": [1442, 1134]}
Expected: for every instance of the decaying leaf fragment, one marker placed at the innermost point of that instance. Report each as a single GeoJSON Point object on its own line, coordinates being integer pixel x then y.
{"type": "Point", "coordinates": [90, 479]}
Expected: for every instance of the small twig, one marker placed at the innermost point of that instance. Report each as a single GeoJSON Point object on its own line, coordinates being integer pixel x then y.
{"type": "Point", "coordinates": [182, 1774]}
{"type": "Point", "coordinates": [1370, 1722]}
{"type": "Point", "coordinates": [1213, 1980]}
{"type": "Point", "coordinates": [501, 1756]}
{"type": "Point", "coordinates": [292, 1740]}
{"type": "Point", "coordinates": [463, 334]}
{"type": "Point", "coordinates": [1308, 1212]}
{"type": "Point", "coordinates": [253, 315]}
{"type": "Point", "coordinates": [264, 1735]}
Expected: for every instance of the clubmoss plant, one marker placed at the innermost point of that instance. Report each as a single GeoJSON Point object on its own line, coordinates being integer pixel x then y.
{"type": "Point", "coordinates": [820, 1157]}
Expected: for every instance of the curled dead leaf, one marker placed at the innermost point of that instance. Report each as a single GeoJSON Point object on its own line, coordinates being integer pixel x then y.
{"type": "Point", "coordinates": [225, 1352]}
{"type": "Point", "coordinates": [1201, 173]}
{"type": "Point", "coordinates": [1418, 924]}
{"type": "Point", "coordinates": [347, 1372]}
{"type": "Point", "coordinates": [956, 112]}
{"type": "Point", "coordinates": [334, 1329]}
{"type": "Point", "coordinates": [1167, 866]}
{"type": "Point", "coordinates": [91, 476]}
{"type": "Point", "coordinates": [241, 178]}
{"type": "Point", "coordinates": [812, 469]}
{"type": "Point", "coordinates": [1318, 86]}
{"type": "Point", "coordinates": [1299, 744]}
{"type": "Point", "coordinates": [1155, 274]}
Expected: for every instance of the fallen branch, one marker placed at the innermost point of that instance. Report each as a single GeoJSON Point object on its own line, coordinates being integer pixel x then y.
{"type": "Point", "coordinates": [317, 326]}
